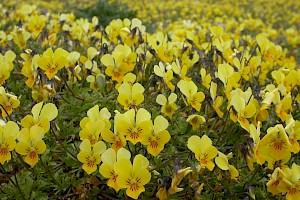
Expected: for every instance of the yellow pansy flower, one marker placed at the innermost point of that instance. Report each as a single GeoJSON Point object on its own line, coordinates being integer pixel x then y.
{"type": "Point", "coordinates": [29, 68]}
{"type": "Point", "coordinates": [189, 89]}
{"type": "Point", "coordinates": [130, 95]}
{"type": "Point", "coordinates": [92, 131]}
{"type": "Point", "coordinates": [131, 35]}
{"type": "Point", "coordinates": [109, 159]}
{"type": "Point", "coordinates": [8, 135]}
{"type": "Point", "coordinates": [204, 150]}
{"type": "Point", "coordinates": [20, 38]}
{"type": "Point", "coordinates": [94, 115]}
{"type": "Point", "coordinates": [222, 163]}
{"type": "Point", "coordinates": [255, 155]}
{"type": "Point", "coordinates": [225, 71]}
{"type": "Point", "coordinates": [156, 141]}
{"type": "Point", "coordinates": [6, 65]}
{"type": "Point", "coordinates": [121, 61]}
{"type": "Point", "coordinates": [180, 69]}
{"type": "Point", "coordinates": [275, 179]}
{"type": "Point", "coordinates": [31, 144]}
{"type": "Point", "coordinates": [90, 155]}
{"type": "Point", "coordinates": [243, 69]}
{"type": "Point", "coordinates": [217, 100]}
{"type": "Point", "coordinates": [8, 102]}
{"type": "Point", "coordinates": [206, 78]}
{"type": "Point", "coordinates": [41, 116]}
{"type": "Point", "coordinates": [135, 125]}
{"type": "Point", "coordinates": [293, 130]}
{"type": "Point", "coordinates": [168, 105]}
{"type": "Point", "coordinates": [51, 62]}
{"type": "Point", "coordinates": [114, 29]}
{"type": "Point", "coordinates": [4, 38]}
{"type": "Point", "coordinates": [195, 121]}
{"type": "Point", "coordinates": [290, 184]}
{"type": "Point", "coordinates": [73, 67]}
{"type": "Point", "coordinates": [275, 145]}
{"type": "Point", "coordinates": [284, 107]}
{"type": "Point", "coordinates": [166, 73]}
{"type": "Point", "coordinates": [134, 176]}
{"type": "Point", "coordinates": [245, 109]}
{"type": "Point", "coordinates": [177, 178]}
{"type": "Point", "coordinates": [165, 50]}
{"type": "Point", "coordinates": [36, 24]}
{"type": "Point", "coordinates": [116, 139]}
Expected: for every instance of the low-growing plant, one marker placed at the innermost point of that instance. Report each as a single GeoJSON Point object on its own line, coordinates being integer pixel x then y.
{"type": "Point", "coordinates": [104, 109]}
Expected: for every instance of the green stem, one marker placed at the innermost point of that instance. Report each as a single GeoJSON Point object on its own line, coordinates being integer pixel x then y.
{"type": "Point", "coordinates": [7, 176]}
{"type": "Point", "coordinates": [219, 139]}
{"type": "Point", "coordinates": [61, 144]}
{"type": "Point", "coordinates": [49, 172]}
{"type": "Point", "coordinates": [65, 82]}
{"type": "Point", "coordinates": [15, 176]}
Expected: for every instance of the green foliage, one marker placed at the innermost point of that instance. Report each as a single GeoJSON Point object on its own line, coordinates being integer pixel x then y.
{"type": "Point", "coordinates": [105, 12]}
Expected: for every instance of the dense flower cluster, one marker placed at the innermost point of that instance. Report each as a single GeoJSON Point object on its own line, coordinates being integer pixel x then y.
{"type": "Point", "coordinates": [217, 75]}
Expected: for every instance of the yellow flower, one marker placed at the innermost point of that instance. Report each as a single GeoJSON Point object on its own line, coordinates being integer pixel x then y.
{"type": "Point", "coordinates": [195, 121]}
{"type": "Point", "coordinates": [270, 95]}
{"type": "Point", "coordinates": [243, 69]}
{"type": "Point", "coordinates": [204, 150]}
{"type": "Point", "coordinates": [130, 95]}
{"type": "Point", "coordinates": [4, 38]}
{"type": "Point", "coordinates": [290, 184]}
{"type": "Point", "coordinates": [165, 50]}
{"type": "Point", "coordinates": [293, 130]}
{"type": "Point", "coordinates": [117, 140]}
{"type": "Point", "coordinates": [20, 38]}
{"type": "Point", "coordinates": [284, 107]}
{"type": "Point", "coordinates": [94, 74]}
{"type": "Point", "coordinates": [31, 144]}
{"type": "Point", "coordinates": [217, 101]}
{"type": "Point", "coordinates": [165, 73]}
{"type": "Point", "coordinates": [51, 62]}
{"type": "Point", "coordinates": [275, 179]}
{"type": "Point", "coordinates": [275, 144]}
{"type": "Point", "coordinates": [73, 67]}
{"type": "Point", "coordinates": [225, 71]}
{"type": "Point", "coordinates": [121, 61]}
{"type": "Point", "coordinates": [109, 159]}
{"type": "Point", "coordinates": [7, 102]}
{"type": "Point", "coordinates": [41, 116]}
{"type": "Point", "coordinates": [114, 28]}
{"type": "Point", "coordinates": [41, 91]}
{"type": "Point", "coordinates": [134, 176]}
{"type": "Point", "coordinates": [222, 163]}
{"type": "Point", "coordinates": [255, 154]}
{"type": "Point", "coordinates": [180, 70]}
{"type": "Point", "coordinates": [8, 135]}
{"type": "Point", "coordinates": [90, 155]}
{"type": "Point", "coordinates": [92, 131]}
{"type": "Point", "coordinates": [36, 24]}
{"type": "Point", "coordinates": [135, 125]}
{"type": "Point", "coordinates": [6, 65]}
{"type": "Point", "coordinates": [168, 105]}
{"type": "Point", "coordinates": [131, 35]}
{"type": "Point", "coordinates": [189, 89]}
{"type": "Point", "coordinates": [177, 178]}
{"type": "Point", "coordinates": [94, 115]}
{"type": "Point", "coordinates": [206, 78]}
{"type": "Point", "coordinates": [155, 142]}
{"type": "Point", "coordinates": [241, 102]}
{"type": "Point", "coordinates": [29, 68]}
